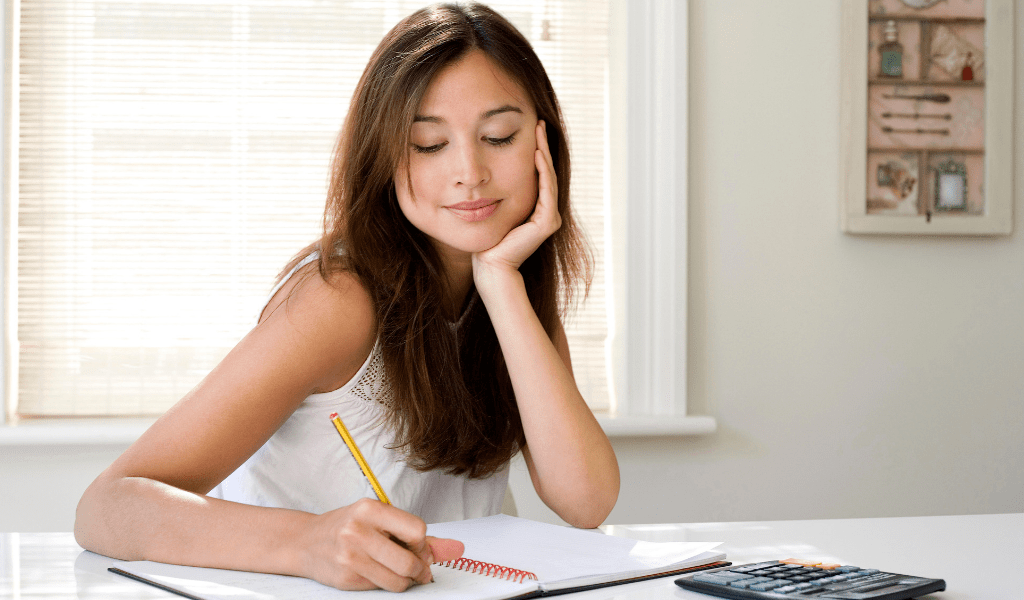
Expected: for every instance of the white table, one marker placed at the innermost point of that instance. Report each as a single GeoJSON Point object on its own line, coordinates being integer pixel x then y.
{"type": "Point", "coordinates": [981, 557]}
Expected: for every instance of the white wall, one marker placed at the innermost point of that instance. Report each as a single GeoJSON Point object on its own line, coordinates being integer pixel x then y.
{"type": "Point", "coordinates": [40, 485]}
{"type": "Point", "coordinates": [850, 376]}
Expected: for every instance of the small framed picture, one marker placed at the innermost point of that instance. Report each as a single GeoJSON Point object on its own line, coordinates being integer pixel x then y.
{"type": "Point", "coordinates": [951, 186]}
{"type": "Point", "coordinates": [927, 103]}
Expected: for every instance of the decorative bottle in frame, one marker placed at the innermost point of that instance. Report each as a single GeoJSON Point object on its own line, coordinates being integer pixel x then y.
{"type": "Point", "coordinates": [891, 52]}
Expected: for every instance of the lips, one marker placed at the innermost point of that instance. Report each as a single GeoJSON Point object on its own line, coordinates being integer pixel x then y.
{"type": "Point", "coordinates": [474, 210]}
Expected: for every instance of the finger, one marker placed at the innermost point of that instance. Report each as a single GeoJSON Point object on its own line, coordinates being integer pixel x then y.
{"type": "Point", "coordinates": [400, 543]}
{"type": "Point", "coordinates": [546, 212]}
{"type": "Point", "coordinates": [412, 537]}
{"type": "Point", "coordinates": [404, 529]}
{"type": "Point", "coordinates": [547, 181]}
{"type": "Point", "coordinates": [423, 553]}
{"type": "Point", "coordinates": [545, 164]}
{"type": "Point", "coordinates": [445, 549]}
{"type": "Point", "coordinates": [418, 548]}
{"type": "Point", "coordinates": [546, 190]}
{"type": "Point", "coordinates": [542, 140]}
{"type": "Point", "coordinates": [393, 567]}
{"type": "Point", "coordinates": [379, 576]}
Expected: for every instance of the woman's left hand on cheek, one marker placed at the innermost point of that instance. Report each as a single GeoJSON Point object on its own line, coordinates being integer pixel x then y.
{"type": "Point", "coordinates": [523, 240]}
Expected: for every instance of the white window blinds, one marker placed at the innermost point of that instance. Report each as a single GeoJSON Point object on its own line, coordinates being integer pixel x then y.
{"type": "Point", "coordinates": [171, 157]}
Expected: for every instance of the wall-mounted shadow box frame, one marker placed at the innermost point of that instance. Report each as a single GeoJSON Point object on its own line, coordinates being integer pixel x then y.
{"type": "Point", "coordinates": [926, 117]}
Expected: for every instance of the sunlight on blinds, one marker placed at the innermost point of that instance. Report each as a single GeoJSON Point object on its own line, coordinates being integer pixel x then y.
{"type": "Point", "coordinates": [172, 157]}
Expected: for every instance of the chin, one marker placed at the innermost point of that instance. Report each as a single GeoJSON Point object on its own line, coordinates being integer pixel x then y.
{"type": "Point", "coordinates": [485, 238]}
{"type": "Point", "coordinates": [481, 246]}
{"type": "Point", "coordinates": [474, 244]}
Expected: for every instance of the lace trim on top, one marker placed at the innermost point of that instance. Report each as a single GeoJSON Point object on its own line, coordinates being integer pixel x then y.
{"type": "Point", "coordinates": [373, 385]}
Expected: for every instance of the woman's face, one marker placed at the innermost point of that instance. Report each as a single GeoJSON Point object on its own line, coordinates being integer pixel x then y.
{"type": "Point", "coordinates": [471, 161]}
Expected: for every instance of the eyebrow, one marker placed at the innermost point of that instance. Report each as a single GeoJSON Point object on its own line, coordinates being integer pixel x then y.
{"type": "Point", "coordinates": [487, 115]}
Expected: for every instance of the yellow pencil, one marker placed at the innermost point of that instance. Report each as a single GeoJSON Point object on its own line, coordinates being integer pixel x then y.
{"type": "Point", "coordinates": [356, 454]}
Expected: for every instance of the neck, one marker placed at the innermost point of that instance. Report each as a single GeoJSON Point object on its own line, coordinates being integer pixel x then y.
{"type": "Point", "coordinates": [459, 271]}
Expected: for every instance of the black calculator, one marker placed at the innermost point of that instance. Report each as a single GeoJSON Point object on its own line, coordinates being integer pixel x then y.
{"type": "Point", "coordinates": [794, 579]}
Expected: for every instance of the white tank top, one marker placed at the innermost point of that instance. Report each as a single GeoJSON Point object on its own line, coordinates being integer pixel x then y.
{"type": "Point", "coordinates": [306, 466]}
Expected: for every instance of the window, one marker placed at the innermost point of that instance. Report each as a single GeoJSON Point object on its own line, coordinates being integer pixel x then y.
{"type": "Point", "coordinates": [633, 333]}
{"type": "Point", "coordinates": [168, 158]}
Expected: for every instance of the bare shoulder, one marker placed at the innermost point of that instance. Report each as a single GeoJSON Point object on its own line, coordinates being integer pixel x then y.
{"type": "Point", "coordinates": [331, 321]}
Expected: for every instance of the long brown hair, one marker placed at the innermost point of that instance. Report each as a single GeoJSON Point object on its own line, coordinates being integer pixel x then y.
{"type": "Point", "coordinates": [453, 407]}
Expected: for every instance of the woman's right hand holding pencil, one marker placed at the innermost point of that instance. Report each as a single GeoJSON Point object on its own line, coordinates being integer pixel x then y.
{"type": "Point", "coordinates": [354, 548]}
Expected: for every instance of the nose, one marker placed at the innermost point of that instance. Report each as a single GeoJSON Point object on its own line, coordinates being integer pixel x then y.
{"type": "Point", "coordinates": [471, 169]}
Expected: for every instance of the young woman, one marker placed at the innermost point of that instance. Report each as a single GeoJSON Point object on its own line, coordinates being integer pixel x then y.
{"type": "Point", "coordinates": [427, 316]}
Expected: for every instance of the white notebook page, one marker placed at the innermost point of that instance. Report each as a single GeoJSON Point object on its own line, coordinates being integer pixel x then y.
{"type": "Point", "coordinates": [559, 556]}
{"type": "Point", "coordinates": [557, 553]}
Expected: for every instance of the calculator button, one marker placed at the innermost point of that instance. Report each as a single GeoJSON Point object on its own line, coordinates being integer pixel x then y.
{"type": "Point", "coordinates": [872, 579]}
{"type": "Point", "coordinates": [721, 578]}
{"type": "Point", "coordinates": [785, 589]}
{"type": "Point", "coordinates": [710, 578]}
{"type": "Point", "coordinates": [746, 583]}
{"type": "Point", "coordinates": [761, 565]}
{"type": "Point", "coordinates": [745, 569]}
{"type": "Point", "coordinates": [768, 585]}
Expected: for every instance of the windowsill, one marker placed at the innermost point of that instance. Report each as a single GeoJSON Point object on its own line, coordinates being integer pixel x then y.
{"type": "Point", "coordinates": [648, 426]}
{"type": "Point", "coordinates": [124, 431]}
{"type": "Point", "coordinates": [73, 432]}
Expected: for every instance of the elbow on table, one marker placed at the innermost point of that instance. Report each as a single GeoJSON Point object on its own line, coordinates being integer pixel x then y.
{"type": "Point", "coordinates": [85, 521]}
{"type": "Point", "coordinates": [592, 514]}
{"type": "Point", "coordinates": [591, 510]}
{"type": "Point", "coordinates": [95, 527]}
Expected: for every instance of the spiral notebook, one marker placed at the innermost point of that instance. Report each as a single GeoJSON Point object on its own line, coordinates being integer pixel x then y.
{"type": "Point", "coordinates": [505, 558]}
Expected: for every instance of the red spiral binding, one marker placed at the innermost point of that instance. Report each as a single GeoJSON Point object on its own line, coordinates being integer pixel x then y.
{"type": "Point", "coordinates": [488, 569]}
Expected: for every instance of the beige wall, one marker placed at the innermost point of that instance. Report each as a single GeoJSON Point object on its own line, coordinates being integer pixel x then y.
{"type": "Point", "coordinates": [850, 376]}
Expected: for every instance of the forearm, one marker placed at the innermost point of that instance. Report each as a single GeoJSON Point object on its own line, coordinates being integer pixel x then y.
{"type": "Point", "coordinates": [573, 465]}
{"type": "Point", "coordinates": [134, 518]}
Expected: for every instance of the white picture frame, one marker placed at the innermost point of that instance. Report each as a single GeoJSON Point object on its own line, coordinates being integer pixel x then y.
{"type": "Point", "coordinates": [928, 214]}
